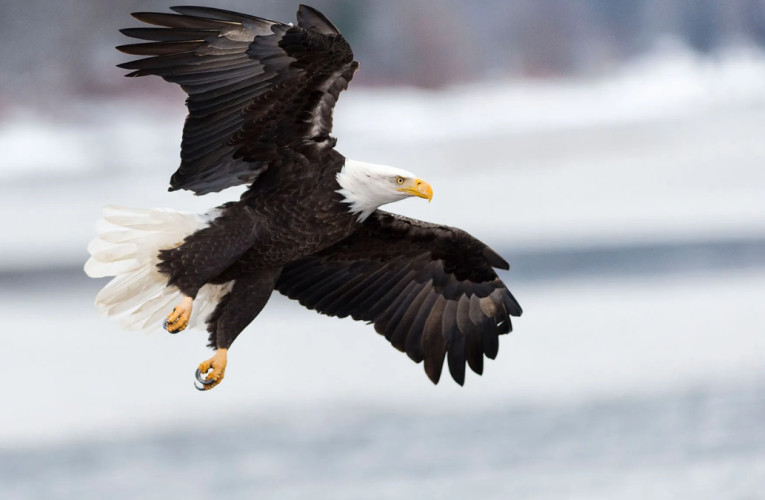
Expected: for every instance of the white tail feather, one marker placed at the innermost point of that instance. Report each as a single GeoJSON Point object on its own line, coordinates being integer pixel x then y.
{"type": "Point", "coordinates": [127, 247]}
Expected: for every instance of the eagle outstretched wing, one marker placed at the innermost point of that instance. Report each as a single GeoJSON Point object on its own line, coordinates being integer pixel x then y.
{"type": "Point", "coordinates": [259, 90]}
{"type": "Point", "coordinates": [430, 289]}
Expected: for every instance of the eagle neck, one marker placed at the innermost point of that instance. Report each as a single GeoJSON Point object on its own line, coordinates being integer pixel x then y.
{"type": "Point", "coordinates": [358, 188]}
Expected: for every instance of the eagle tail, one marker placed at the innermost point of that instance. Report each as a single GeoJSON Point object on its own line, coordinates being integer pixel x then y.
{"type": "Point", "coordinates": [127, 247]}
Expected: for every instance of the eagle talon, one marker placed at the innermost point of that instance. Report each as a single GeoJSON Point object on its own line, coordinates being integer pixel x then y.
{"type": "Point", "coordinates": [201, 380]}
{"type": "Point", "coordinates": [199, 387]}
{"type": "Point", "coordinates": [213, 370]}
{"type": "Point", "coordinates": [178, 320]}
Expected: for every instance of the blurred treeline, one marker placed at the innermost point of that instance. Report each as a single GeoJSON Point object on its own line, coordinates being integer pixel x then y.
{"type": "Point", "coordinates": [65, 47]}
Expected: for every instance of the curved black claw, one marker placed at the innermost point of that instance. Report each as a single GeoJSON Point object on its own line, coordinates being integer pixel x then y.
{"type": "Point", "coordinates": [164, 325]}
{"type": "Point", "coordinates": [199, 387]}
{"type": "Point", "coordinates": [201, 380]}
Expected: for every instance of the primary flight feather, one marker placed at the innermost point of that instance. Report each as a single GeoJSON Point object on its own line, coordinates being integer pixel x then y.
{"type": "Point", "coordinates": [260, 97]}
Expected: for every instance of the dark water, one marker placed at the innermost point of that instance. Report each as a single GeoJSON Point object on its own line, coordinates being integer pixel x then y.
{"type": "Point", "coordinates": [651, 259]}
{"type": "Point", "coordinates": [704, 443]}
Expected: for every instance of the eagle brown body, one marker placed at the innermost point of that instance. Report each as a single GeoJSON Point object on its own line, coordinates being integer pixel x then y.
{"type": "Point", "coordinates": [286, 218]}
{"type": "Point", "coordinates": [261, 96]}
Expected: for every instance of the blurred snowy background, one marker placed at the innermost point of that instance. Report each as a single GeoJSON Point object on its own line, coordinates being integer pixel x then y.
{"type": "Point", "coordinates": [612, 151]}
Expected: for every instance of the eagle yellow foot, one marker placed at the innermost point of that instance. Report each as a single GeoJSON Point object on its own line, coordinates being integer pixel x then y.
{"type": "Point", "coordinates": [217, 368]}
{"type": "Point", "coordinates": [178, 320]}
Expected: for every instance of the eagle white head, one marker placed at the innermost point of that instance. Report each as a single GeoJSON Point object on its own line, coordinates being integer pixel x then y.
{"type": "Point", "coordinates": [367, 186]}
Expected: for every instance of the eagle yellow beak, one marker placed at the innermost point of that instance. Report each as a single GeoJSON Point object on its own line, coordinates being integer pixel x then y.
{"type": "Point", "coordinates": [420, 189]}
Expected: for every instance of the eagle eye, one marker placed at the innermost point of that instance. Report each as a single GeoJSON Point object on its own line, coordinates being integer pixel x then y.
{"type": "Point", "coordinates": [399, 180]}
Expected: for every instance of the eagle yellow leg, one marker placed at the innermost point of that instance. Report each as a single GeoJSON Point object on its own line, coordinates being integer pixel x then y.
{"type": "Point", "coordinates": [218, 366]}
{"type": "Point", "coordinates": [178, 320]}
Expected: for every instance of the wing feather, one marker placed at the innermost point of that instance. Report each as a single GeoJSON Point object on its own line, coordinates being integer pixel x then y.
{"type": "Point", "coordinates": [414, 336]}
{"type": "Point", "coordinates": [255, 87]}
{"type": "Point", "coordinates": [433, 341]}
{"type": "Point", "coordinates": [430, 290]}
{"type": "Point", "coordinates": [400, 333]}
{"type": "Point", "coordinates": [224, 15]}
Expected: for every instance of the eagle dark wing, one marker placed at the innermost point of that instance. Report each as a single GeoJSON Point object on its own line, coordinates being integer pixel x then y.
{"type": "Point", "coordinates": [429, 289]}
{"type": "Point", "coordinates": [258, 89]}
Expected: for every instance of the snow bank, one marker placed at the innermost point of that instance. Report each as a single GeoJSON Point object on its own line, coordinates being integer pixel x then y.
{"type": "Point", "coordinates": [661, 86]}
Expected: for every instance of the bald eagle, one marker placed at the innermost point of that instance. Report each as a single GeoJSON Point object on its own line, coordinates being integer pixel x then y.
{"type": "Point", "coordinates": [260, 99]}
